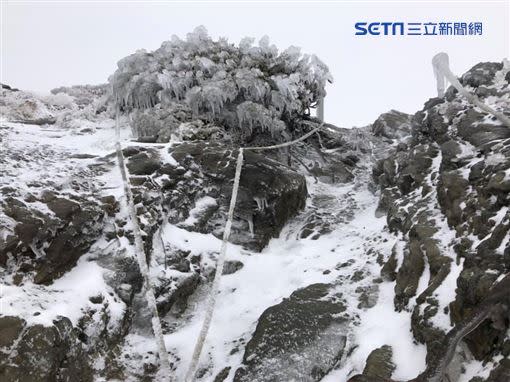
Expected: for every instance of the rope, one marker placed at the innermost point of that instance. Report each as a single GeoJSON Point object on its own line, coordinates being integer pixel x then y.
{"type": "Point", "coordinates": [219, 270]}
{"type": "Point", "coordinates": [221, 257]}
{"type": "Point", "coordinates": [440, 63]}
{"type": "Point", "coordinates": [142, 260]}
{"type": "Point", "coordinates": [285, 144]}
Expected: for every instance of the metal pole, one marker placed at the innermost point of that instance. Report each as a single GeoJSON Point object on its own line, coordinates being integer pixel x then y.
{"type": "Point", "coordinates": [320, 109]}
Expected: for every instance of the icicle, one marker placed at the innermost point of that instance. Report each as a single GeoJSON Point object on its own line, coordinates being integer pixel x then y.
{"type": "Point", "coordinates": [261, 203]}
{"type": "Point", "coordinates": [250, 226]}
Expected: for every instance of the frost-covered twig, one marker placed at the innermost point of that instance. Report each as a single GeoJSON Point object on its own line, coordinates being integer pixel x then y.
{"type": "Point", "coordinates": [142, 260]}
{"type": "Point", "coordinates": [440, 63]}
{"type": "Point", "coordinates": [497, 298]}
{"type": "Point", "coordinates": [218, 86]}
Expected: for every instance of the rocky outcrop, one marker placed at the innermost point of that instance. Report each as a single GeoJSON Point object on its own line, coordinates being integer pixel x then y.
{"type": "Point", "coordinates": [42, 353]}
{"type": "Point", "coordinates": [196, 187]}
{"type": "Point", "coordinates": [47, 243]}
{"type": "Point", "coordinates": [379, 363]}
{"type": "Point", "coordinates": [494, 309]}
{"type": "Point", "coordinates": [445, 190]}
{"type": "Point", "coordinates": [392, 125]}
{"type": "Point", "coordinates": [300, 338]}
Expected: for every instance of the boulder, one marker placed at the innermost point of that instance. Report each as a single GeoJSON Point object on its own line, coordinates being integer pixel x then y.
{"type": "Point", "coordinates": [481, 74]}
{"type": "Point", "coordinates": [143, 163]}
{"type": "Point", "coordinates": [379, 363]}
{"type": "Point", "coordinates": [393, 125]}
{"type": "Point", "coordinates": [200, 188]}
{"type": "Point", "coordinates": [300, 338]}
{"type": "Point", "coordinates": [47, 353]}
{"type": "Point", "coordinates": [52, 241]}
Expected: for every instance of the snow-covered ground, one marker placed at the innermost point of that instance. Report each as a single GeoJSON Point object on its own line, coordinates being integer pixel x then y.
{"type": "Point", "coordinates": [289, 263]}
{"type": "Point", "coordinates": [286, 264]}
{"type": "Point", "coordinates": [37, 154]}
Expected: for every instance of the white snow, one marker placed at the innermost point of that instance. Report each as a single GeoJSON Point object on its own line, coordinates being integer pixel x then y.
{"type": "Point", "coordinates": [476, 368]}
{"type": "Point", "coordinates": [201, 205]}
{"type": "Point", "coordinates": [285, 265]}
{"type": "Point", "coordinates": [380, 326]}
{"type": "Point", "coordinates": [68, 296]}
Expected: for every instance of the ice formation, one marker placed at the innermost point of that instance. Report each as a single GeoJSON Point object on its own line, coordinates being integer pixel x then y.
{"type": "Point", "coordinates": [245, 86]}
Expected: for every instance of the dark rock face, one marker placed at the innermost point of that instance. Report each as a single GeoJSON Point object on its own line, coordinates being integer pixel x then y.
{"type": "Point", "coordinates": [501, 373]}
{"type": "Point", "coordinates": [192, 189]}
{"type": "Point", "coordinates": [55, 241]}
{"type": "Point", "coordinates": [124, 276]}
{"type": "Point", "coordinates": [269, 194]}
{"type": "Point", "coordinates": [392, 125]}
{"type": "Point", "coordinates": [447, 193]}
{"type": "Point", "coordinates": [232, 266]}
{"type": "Point", "coordinates": [176, 291]}
{"type": "Point", "coordinates": [481, 74]}
{"type": "Point", "coordinates": [301, 338]}
{"type": "Point", "coordinates": [10, 330]}
{"type": "Point", "coordinates": [143, 163]}
{"type": "Point", "coordinates": [379, 363]}
{"type": "Point", "coordinates": [44, 354]}
{"type": "Point", "coordinates": [409, 275]}
{"type": "Point", "coordinates": [196, 190]}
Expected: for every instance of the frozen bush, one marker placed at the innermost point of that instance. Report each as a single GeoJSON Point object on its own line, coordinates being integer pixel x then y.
{"type": "Point", "coordinates": [252, 88]}
{"type": "Point", "coordinates": [83, 94]}
{"type": "Point", "coordinates": [59, 99]}
{"type": "Point", "coordinates": [159, 123]}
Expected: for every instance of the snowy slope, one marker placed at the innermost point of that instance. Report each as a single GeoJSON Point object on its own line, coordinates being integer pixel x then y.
{"type": "Point", "coordinates": [393, 235]}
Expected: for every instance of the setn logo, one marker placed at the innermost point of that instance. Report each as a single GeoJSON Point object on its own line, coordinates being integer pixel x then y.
{"type": "Point", "coordinates": [376, 28]}
{"type": "Point", "coordinates": [419, 29]}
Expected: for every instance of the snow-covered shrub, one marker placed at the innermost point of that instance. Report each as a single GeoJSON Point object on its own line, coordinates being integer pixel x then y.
{"type": "Point", "coordinates": [89, 100]}
{"type": "Point", "coordinates": [252, 88]}
{"type": "Point", "coordinates": [26, 107]}
{"type": "Point", "coordinates": [160, 121]}
{"type": "Point", "coordinates": [59, 100]}
{"type": "Point", "coordinates": [83, 94]}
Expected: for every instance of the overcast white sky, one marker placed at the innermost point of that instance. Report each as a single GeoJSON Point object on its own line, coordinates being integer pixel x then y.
{"type": "Point", "coordinates": [45, 45]}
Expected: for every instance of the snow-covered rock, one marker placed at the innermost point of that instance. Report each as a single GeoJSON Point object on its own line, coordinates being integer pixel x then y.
{"type": "Point", "coordinates": [446, 192]}
{"type": "Point", "coordinates": [380, 251]}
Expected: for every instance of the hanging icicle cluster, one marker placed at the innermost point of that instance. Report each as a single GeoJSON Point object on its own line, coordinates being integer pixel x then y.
{"type": "Point", "coordinates": [247, 86]}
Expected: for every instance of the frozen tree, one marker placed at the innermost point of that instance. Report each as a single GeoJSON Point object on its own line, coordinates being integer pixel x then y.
{"type": "Point", "coordinates": [254, 88]}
